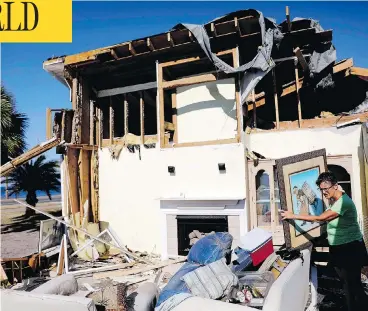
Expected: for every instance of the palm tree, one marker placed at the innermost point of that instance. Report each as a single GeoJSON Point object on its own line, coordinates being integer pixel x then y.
{"type": "Point", "coordinates": [13, 126]}
{"type": "Point", "coordinates": [37, 175]}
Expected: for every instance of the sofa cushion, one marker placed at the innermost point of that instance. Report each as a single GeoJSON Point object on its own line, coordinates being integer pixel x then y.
{"type": "Point", "coordinates": [212, 281]}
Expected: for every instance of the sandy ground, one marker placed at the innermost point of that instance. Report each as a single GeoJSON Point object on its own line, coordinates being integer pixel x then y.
{"type": "Point", "coordinates": [20, 236]}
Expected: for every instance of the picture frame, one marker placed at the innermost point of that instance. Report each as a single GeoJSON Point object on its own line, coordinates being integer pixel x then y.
{"type": "Point", "coordinates": [299, 193]}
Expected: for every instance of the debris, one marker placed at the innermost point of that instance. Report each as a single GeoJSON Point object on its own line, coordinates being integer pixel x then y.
{"type": "Point", "coordinates": [80, 230]}
{"type": "Point", "coordinates": [137, 270]}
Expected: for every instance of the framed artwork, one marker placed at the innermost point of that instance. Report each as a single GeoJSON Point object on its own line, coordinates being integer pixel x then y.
{"type": "Point", "coordinates": [299, 193]}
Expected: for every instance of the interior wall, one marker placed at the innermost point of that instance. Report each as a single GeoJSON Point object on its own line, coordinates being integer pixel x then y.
{"type": "Point", "coordinates": [206, 111]}
{"type": "Point", "coordinates": [133, 186]}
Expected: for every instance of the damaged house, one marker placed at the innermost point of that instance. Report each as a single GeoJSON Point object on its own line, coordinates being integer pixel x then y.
{"type": "Point", "coordinates": [175, 135]}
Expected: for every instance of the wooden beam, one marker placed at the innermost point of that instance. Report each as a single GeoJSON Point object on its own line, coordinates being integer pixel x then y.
{"type": "Point", "coordinates": [141, 105]}
{"type": "Point", "coordinates": [189, 81]}
{"type": "Point", "coordinates": [301, 59]}
{"type": "Point", "coordinates": [150, 44]}
{"type": "Point", "coordinates": [276, 98]}
{"type": "Point", "coordinates": [127, 89]}
{"type": "Point", "coordinates": [346, 64]}
{"type": "Point", "coordinates": [359, 71]}
{"type": "Point", "coordinates": [91, 122]}
{"type": "Point", "coordinates": [72, 171]}
{"type": "Point", "coordinates": [170, 39]}
{"type": "Point", "coordinates": [213, 29]}
{"type": "Point", "coordinates": [131, 49]}
{"type": "Point", "coordinates": [161, 106]}
{"type": "Point", "coordinates": [174, 116]}
{"type": "Point", "coordinates": [236, 25]}
{"type": "Point", "coordinates": [113, 53]}
{"type": "Point", "coordinates": [28, 155]}
{"type": "Point", "coordinates": [126, 114]}
{"type": "Point", "coordinates": [288, 18]}
{"type": "Point", "coordinates": [297, 87]}
{"type": "Point", "coordinates": [48, 123]}
{"type": "Point", "coordinates": [239, 111]}
{"type": "Point", "coordinates": [191, 38]}
{"type": "Point", "coordinates": [85, 179]}
{"type": "Point", "coordinates": [111, 121]}
{"type": "Point", "coordinates": [192, 59]}
{"type": "Point", "coordinates": [74, 93]}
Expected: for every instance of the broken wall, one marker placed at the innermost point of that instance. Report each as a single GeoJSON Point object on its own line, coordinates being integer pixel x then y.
{"type": "Point", "coordinates": [132, 186]}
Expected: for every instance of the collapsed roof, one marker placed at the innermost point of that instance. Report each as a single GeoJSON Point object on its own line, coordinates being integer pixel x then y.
{"type": "Point", "coordinates": [264, 47]}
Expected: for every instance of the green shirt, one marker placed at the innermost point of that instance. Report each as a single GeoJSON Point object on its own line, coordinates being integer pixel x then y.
{"type": "Point", "coordinates": [345, 228]}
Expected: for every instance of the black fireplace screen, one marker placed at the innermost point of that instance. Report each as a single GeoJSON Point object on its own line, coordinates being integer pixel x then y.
{"type": "Point", "coordinates": [192, 228]}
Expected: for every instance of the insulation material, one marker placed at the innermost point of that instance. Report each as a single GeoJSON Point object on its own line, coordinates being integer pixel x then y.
{"type": "Point", "coordinates": [62, 285]}
{"type": "Point", "coordinates": [206, 111]}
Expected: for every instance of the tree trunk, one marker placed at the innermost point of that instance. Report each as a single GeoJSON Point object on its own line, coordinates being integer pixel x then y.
{"type": "Point", "coordinates": [31, 199]}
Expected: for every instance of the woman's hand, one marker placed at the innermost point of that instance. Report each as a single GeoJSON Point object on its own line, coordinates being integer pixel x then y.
{"type": "Point", "coordinates": [287, 215]}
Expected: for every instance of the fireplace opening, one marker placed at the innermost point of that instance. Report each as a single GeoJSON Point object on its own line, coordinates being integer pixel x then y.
{"type": "Point", "coordinates": [192, 228]}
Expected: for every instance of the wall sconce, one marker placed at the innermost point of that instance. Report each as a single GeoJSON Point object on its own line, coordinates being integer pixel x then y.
{"type": "Point", "coordinates": [171, 169]}
{"type": "Point", "coordinates": [222, 167]}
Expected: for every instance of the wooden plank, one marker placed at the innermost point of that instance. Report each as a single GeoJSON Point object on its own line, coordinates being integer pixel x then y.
{"type": "Point", "coordinates": [161, 106]}
{"type": "Point", "coordinates": [343, 65]}
{"type": "Point", "coordinates": [28, 155]}
{"type": "Point", "coordinates": [131, 49]}
{"type": "Point", "coordinates": [138, 270]}
{"type": "Point", "coordinates": [84, 106]}
{"type": "Point", "coordinates": [72, 172]}
{"type": "Point", "coordinates": [94, 198]}
{"type": "Point", "coordinates": [111, 122]}
{"type": "Point", "coordinates": [60, 266]}
{"type": "Point", "coordinates": [74, 93]}
{"type": "Point", "coordinates": [91, 122]}
{"type": "Point", "coordinates": [126, 114]}
{"type": "Point", "coordinates": [113, 53]}
{"type": "Point", "coordinates": [141, 104]}
{"type": "Point", "coordinates": [192, 59]}
{"type": "Point", "coordinates": [85, 181]}
{"type": "Point", "coordinates": [297, 87]}
{"type": "Point", "coordinates": [127, 89]}
{"type": "Point", "coordinates": [174, 116]}
{"type": "Point", "coordinates": [359, 71]}
{"type": "Point", "coordinates": [170, 39]}
{"type": "Point", "coordinates": [150, 44]}
{"type": "Point", "coordinates": [276, 99]}
{"type": "Point", "coordinates": [102, 269]}
{"type": "Point", "coordinates": [48, 123]}
{"type": "Point", "coordinates": [188, 81]}
{"type": "Point", "coordinates": [301, 59]}
{"type": "Point", "coordinates": [207, 143]}
{"type": "Point", "coordinates": [213, 29]}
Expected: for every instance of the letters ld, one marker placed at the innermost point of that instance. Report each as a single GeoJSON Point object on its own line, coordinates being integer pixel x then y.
{"type": "Point", "coordinates": [28, 9]}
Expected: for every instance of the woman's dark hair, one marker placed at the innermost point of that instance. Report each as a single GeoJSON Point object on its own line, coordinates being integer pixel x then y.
{"type": "Point", "coordinates": [326, 177]}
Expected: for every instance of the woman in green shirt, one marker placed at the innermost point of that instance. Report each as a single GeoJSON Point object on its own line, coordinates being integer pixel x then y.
{"type": "Point", "coordinates": [347, 250]}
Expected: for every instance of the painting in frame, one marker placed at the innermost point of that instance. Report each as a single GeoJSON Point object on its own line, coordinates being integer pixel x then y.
{"type": "Point", "coordinates": [299, 193]}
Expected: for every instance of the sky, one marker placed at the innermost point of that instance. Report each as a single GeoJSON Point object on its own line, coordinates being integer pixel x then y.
{"type": "Point", "coordinates": [98, 23]}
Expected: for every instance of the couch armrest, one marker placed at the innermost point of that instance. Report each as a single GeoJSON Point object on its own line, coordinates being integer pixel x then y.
{"type": "Point", "coordinates": [290, 291]}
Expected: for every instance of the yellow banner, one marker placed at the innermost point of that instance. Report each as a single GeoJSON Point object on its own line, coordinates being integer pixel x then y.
{"type": "Point", "coordinates": [36, 21]}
